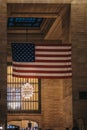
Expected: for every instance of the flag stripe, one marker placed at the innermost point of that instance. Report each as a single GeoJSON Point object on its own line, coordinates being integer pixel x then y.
{"type": "Point", "coordinates": [64, 55]}
{"type": "Point", "coordinates": [42, 71]}
{"type": "Point", "coordinates": [41, 66]}
{"type": "Point", "coordinates": [54, 58]}
{"type": "Point", "coordinates": [52, 53]}
{"type": "Point", "coordinates": [56, 50]}
{"type": "Point", "coordinates": [48, 69]}
{"type": "Point", "coordinates": [54, 46]}
{"type": "Point", "coordinates": [40, 76]}
{"type": "Point", "coordinates": [44, 75]}
{"type": "Point", "coordinates": [45, 63]}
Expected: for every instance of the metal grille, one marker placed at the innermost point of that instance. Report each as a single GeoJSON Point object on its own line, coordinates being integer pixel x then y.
{"type": "Point", "coordinates": [15, 101]}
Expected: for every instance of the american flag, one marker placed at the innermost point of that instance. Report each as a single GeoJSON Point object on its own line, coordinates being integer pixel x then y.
{"type": "Point", "coordinates": [41, 60]}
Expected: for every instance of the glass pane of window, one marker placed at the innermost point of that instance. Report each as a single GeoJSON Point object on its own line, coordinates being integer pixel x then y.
{"type": "Point", "coordinates": [17, 91]}
{"type": "Point", "coordinates": [24, 22]}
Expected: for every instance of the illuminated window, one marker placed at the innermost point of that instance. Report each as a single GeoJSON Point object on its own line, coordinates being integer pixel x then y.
{"type": "Point", "coordinates": [17, 96]}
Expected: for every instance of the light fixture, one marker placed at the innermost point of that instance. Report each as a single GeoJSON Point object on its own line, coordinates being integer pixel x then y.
{"type": "Point", "coordinates": [1, 126]}
{"type": "Point", "coordinates": [26, 90]}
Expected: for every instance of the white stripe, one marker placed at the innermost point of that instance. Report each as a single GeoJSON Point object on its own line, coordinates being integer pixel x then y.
{"type": "Point", "coordinates": [53, 47]}
{"type": "Point", "coordinates": [42, 74]}
{"type": "Point", "coordinates": [41, 63]}
{"type": "Point", "coordinates": [48, 69]}
{"type": "Point", "coordinates": [52, 58]}
{"type": "Point", "coordinates": [52, 53]}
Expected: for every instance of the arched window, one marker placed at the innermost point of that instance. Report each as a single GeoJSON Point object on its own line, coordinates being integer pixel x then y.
{"type": "Point", "coordinates": [23, 94]}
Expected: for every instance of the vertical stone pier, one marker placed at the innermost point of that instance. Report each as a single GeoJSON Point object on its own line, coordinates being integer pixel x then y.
{"type": "Point", "coordinates": [3, 64]}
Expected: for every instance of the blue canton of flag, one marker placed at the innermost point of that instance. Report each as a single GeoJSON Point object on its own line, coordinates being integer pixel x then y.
{"type": "Point", "coordinates": [23, 52]}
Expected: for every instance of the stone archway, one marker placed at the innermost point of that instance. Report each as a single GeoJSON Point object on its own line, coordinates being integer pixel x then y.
{"type": "Point", "coordinates": [23, 124]}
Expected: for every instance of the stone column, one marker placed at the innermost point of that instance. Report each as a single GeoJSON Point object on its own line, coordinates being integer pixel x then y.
{"type": "Point", "coordinates": [79, 56]}
{"type": "Point", "coordinates": [3, 64]}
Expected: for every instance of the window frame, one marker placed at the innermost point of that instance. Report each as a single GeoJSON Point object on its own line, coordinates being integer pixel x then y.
{"type": "Point", "coordinates": [25, 111]}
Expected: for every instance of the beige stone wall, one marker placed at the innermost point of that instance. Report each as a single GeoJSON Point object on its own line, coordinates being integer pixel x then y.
{"type": "Point", "coordinates": [67, 99]}
{"type": "Point", "coordinates": [79, 57]}
{"type": "Point", "coordinates": [52, 104]}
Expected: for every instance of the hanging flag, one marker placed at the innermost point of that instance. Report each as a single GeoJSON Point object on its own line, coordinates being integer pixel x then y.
{"type": "Point", "coordinates": [41, 60]}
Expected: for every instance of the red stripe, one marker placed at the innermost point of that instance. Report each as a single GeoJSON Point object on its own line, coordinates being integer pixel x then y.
{"type": "Point", "coordinates": [61, 77]}
{"type": "Point", "coordinates": [54, 44]}
{"type": "Point", "coordinates": [42, 66]}
{"type": "Point", "coordinates": [53, 50]}
{"type": "Point", "coordinates": [51, 55]}
{"type": "Point", "coordinates": [57, 61]}
{"type": "Point", "coordinates": [41, 71]}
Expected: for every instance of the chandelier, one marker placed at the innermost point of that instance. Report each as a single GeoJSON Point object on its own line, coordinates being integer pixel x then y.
{"type": "Point", "coordinates": [27, 90]}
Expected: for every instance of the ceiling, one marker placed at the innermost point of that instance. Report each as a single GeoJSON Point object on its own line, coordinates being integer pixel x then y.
{"type": "Point", "coordinates": [53, 18]}
{"type": "Point", "coordinates": [54, 27]}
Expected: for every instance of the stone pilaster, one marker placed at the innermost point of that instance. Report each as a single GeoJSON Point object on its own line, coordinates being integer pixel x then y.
{"type": "Point", "coordinates": [3, 64]}
{"type": "Point", "coordinates": [79, 56]}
